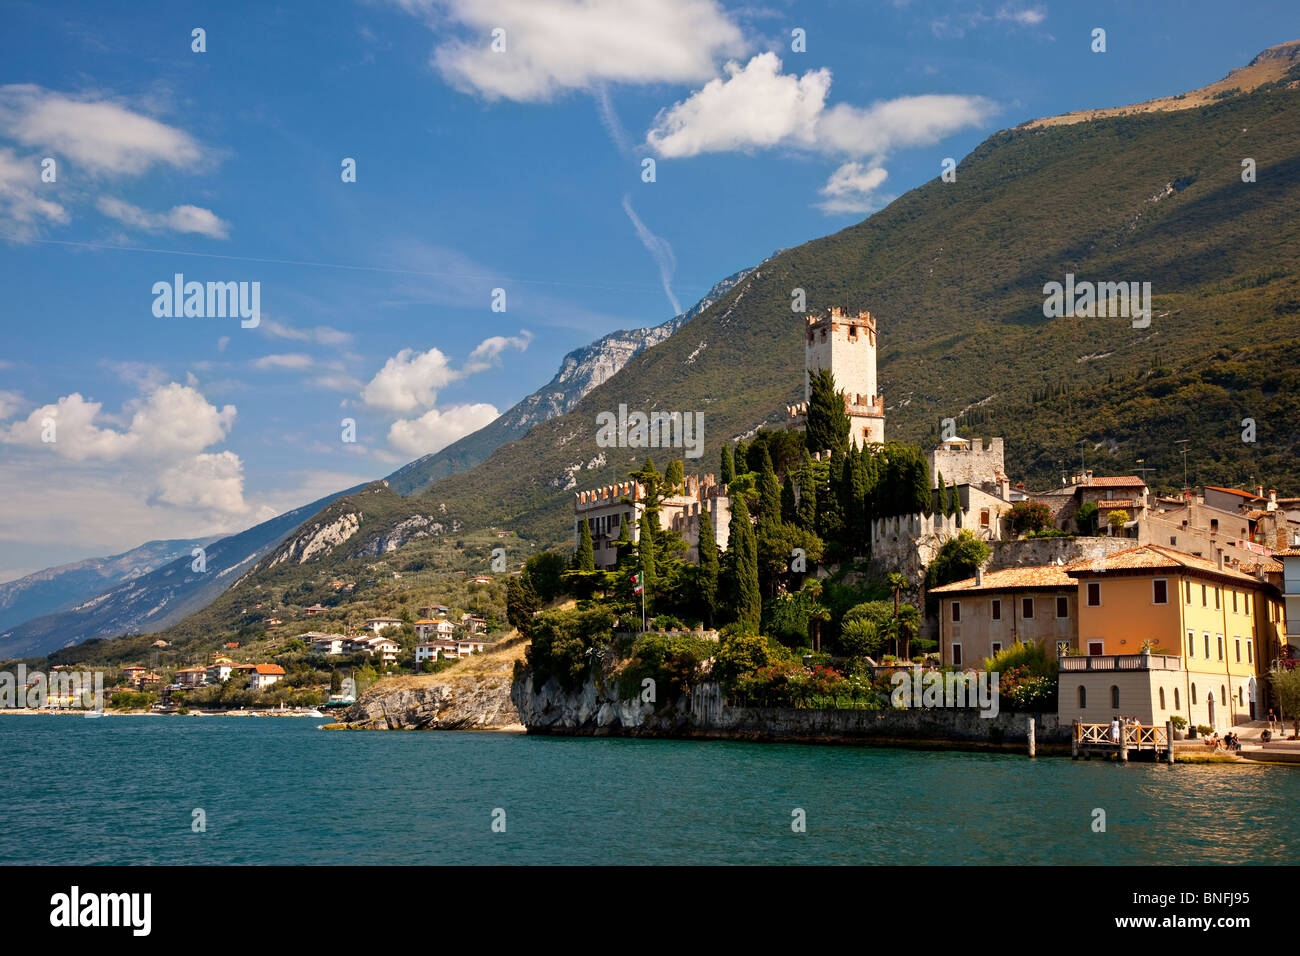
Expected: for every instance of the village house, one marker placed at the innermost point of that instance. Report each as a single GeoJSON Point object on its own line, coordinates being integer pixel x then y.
{"type": "Point", "coordinates": [325, 644]}
{"type": "Point", "coordinates": [219, 670]}
{"type": "Point", "coordinates": [1167, 633]}
{"type": "Point", "coordinates": [993, 610]}
{"type": "Point", "coordinates": [315, 609]}
{"type": "Point", "coordinates": [192, 676]}
{"type": "Point", "coordinates": [428, 629]}
{"type": "Point", "coordinates": [455, 648]}
{"type": "Point", "coordinates": [262, 676]}
{"type": "Point", "coordinates": [384, 647]}
{"type": "Point", "coordinates": [377, 624]}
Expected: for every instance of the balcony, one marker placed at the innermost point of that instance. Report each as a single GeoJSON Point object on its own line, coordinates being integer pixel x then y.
{"type": "Point", "coordinates": [1121, 662]}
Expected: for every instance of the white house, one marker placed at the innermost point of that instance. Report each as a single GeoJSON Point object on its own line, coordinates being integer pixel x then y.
{"type": "Point", "coordinates": [377, 624]}
{"type": "Point", "coordinates": [262, 676]}
{"type": "Point", "coordinates": [327, 643]}
{"type": "Point", "coordinates": [427, 630]}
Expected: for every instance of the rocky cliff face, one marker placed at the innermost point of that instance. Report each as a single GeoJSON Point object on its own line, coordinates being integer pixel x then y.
{"type": "Point", "coordinates": [469, 705]}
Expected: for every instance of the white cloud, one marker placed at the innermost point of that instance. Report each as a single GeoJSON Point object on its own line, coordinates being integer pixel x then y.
{"type": "Point", "coordinates": [852, 188]}
{"type": "Point", "coordinates": [436, 429]}
{"type": "Point", "coordinates": [409, 380]}
{"type": "Point", "coordinates": [756, 106]}
{"type": "Point", "coordinates": [292, 360]}
{"type": "Point", "coordinates": [555, 46]}
{"type": "Point", "coordinates": [213, 482]}
{"type": "Point", "coordinates": [956, 25]}
{"type": "Point", "coordinates": [20, 207]}
{"type": "Point", "coordinates": [173, 420]}
{"type": "Point", "coordinates": [320, 334]}
{"type": "Point", "coordinates": [487, 352]}
{"type": "Point", "coordinates": [100, 135]}
{"type": "Point", "coordinates": [177, 219]}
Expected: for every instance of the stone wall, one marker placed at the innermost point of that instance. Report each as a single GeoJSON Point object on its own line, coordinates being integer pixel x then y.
{"type": "Point", "coordinates": [594, 710]}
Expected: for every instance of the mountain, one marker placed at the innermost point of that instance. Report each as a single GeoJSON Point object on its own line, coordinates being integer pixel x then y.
{"type": "Point", "coordinates": [157, 599]}
{"type": "Point", "coordinates": [1277, 66]}
{"type": "Point", "coordinates": [580, 371]}
{"type": "Point", "coordinates": [955, 275]}
{"type": "Point", "coordinates": [55, 588]}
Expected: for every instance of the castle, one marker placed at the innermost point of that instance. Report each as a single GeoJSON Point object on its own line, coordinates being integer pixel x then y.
{"type": "Point", "coordinates": [700, 499]}
{"type": "Point", "coordinates": [846, 346]}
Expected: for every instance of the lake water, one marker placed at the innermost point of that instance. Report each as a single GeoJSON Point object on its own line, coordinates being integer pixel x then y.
{"type": "Point", "coordinates": [123, 789]}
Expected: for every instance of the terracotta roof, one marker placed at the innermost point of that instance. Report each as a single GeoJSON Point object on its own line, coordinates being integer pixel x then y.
{"type": "Point", "coordinates": [1010, 579]}
{"type": "Point", "coordinates": [1232, 491]}
{"type": "Point", "coordinates": [1127, 481]}
{"type": "Point", "coordinates": [268, 669]}
{"type": "Point", "coordinates": [1153, 557]}
{"type": "Point", "coordinates": [1293, 552]}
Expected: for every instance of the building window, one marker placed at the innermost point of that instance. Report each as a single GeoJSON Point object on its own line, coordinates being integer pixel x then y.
{"type": "Point", "coordinates": [1193, 695]}
{"type": "Point", "coordinates": [1083, 697]}
{"type": "Point", "coordinates": [1237, 642]}
{"type": "Point", "coordinates": [1207, 645]}
{"type": "Point", "coordinates": [956, 611]}
{"type": "Point", "coordinates": [1188, 585]}
{"type": "Point", "coordinates": [1216, 599]}
{"type": "Point", "coordinates": [1250, 651]}
{"type": "Point", "coordinates": [1247, 603]}
{"type": "Point", "coordinates": [1177, 704]}
{"type": "Point", "coordinates": [1114, 697]}
{"type": "Point", "coordinates": [1191, 644]}
{"type": "Point", "coordinates": [997, 609]}
{"type": "Point", "coordinates": [997, 646]}
{"type": "Point", "coordinates": [956, 655]}
{"type": "Point", "coordinates": [1160, 591]}
{"type": "Point", "coordinates": [1095, 648]}
{"type": "Point", "coordinates": [984, 517]}
{"type": "Point", "coordinates": [1162, 698]}
{"type": "Point", "coordinates": [1219, 643]}
{"type": "Point", "coordinates": [1062, 606]}
{"type": "Point", "coordinates": [1094, 594]}
{"type": "Point", "coordinates": [1241, 701]}
{"type": "Point", "coordinates": [1234, 600]}
{"type": "Point", "coordinates": [1027, 608]}
{"type": "Point", "coordinates": [1204, 602]}
{"type": "Point", "coordinates": [1223, 694]}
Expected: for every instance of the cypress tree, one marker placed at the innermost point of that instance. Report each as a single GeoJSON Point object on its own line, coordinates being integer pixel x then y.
{"type": "Point", "coordinates": [769, 492]}
{"type": "Point", "coordinates": [707, 572]}
{"type": "Point", "coordinates": [807, 514]}
{"type": "Point", "coordinates": [828, 423]}
{"type": "Point", "coordinates": [746, 601]}
{"type": "Point", "coordinates": [646, 553]}
{"type": "Point", "coordinates": [586, 555]}
{"type": "Point", "coordinates": [623, 546]}
{"type": "Point", "coordinates": [789, 509]}
{"type": "Point", "coordinates": [728, 470]}
{"type": "Point", "coordinates": [674, 476]}
{"type": "Point", "coordinates": [954, 500]}
{"type": "Point", "coordinates": [938, 498]}
{"type": "Point", "coordinates": [742, 455]}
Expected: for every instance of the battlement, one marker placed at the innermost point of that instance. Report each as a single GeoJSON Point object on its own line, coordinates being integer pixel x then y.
{"type": "Point", "coordinates": [609, 494]}
{"type": "Point", "coordinates": [836, 320]}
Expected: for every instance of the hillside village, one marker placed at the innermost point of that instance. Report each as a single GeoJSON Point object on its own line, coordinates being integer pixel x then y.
{"type": "Point", "coordinates": [1111, 599]}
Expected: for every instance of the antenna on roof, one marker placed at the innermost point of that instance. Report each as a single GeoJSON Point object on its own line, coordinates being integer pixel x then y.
{"type": "Point", "coordinates": [1184, 442]}
{"type": "Point", "coordinates": [1143, 470]}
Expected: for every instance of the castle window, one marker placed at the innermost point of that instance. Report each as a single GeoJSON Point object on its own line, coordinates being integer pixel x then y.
{"type": "Point", "coordinates": [997, 609]}
{"type": "Point", "coordinates": [984, 517]}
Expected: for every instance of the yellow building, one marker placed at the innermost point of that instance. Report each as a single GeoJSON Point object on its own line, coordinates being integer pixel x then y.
{"type": "Point", "coordinates": [1198, 619]}
{"type": "Point", "coordinates": [982, 615]}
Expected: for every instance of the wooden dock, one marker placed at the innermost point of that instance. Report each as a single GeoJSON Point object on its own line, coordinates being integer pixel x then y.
{"type": "Point", "coordinates": [1090, 739]}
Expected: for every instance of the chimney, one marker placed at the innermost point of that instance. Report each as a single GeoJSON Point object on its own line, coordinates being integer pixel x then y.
{"type": "Point", "coordinates": [979, 576]}
{"type": "Point", "coordinates": [1259, 491]}
{"type": "Point", "coordinates": [1218, 557]}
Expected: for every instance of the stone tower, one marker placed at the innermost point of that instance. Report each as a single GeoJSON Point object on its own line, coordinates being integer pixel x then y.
{"type": "Point", "coordinates": [847, 346]}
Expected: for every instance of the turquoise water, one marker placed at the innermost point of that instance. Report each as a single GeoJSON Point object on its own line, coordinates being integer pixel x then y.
{"type": "Point", "coordinates": [122, 790]}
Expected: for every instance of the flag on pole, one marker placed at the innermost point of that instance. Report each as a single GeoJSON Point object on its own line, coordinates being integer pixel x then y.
{"type": "Point", "coordinates": [636, 581]}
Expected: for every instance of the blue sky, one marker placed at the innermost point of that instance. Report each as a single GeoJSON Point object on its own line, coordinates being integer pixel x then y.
{"type": "Point", "coordinates": [476, 170]}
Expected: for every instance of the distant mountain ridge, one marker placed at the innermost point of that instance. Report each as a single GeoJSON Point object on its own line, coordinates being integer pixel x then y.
{"type": "Point", "coordinates": [57, 588]}
{"type": "Point", "coordinates": [580, 371]}
{"type": "Point", "coordinates": [161, 597]}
